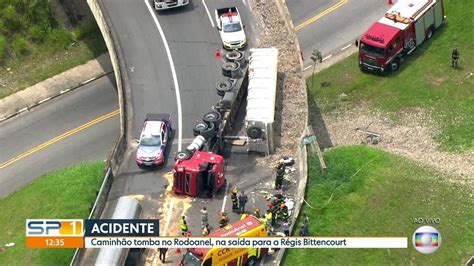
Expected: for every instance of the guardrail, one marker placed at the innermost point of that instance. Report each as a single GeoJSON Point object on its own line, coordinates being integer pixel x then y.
{"type": "Point", "coordinates": [123, 87]}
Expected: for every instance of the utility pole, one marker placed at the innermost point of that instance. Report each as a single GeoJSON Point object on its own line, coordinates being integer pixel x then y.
{"type": "Point", "coordinates": [315, 57]}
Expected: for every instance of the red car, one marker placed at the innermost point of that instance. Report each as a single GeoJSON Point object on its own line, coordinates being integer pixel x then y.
{"type": "Point", "coordinates": [154, 138]}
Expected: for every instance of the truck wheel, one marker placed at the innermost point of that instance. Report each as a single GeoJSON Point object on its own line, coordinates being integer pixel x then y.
{"type": "Point", "coordinates": [429, 33]}
{"type": "Point", "coordinates": [199, 127]}
{"type": "Point", "coordinates": [209, 132]}
{"type": "Point", "coordinates": [182, 155]}
{"type": "Point", "coordinates": [394, 65]}
{"type": "Point", "coordinates": [212, 117]}
{"type": "Point", "coordinates": [254, 132]}
{"type": "Point", "coordinates": [234, 56]}
{"type": "Point", "coordinates": [228, 68]}
{"type": "Point", "coordinates": [222, 87]}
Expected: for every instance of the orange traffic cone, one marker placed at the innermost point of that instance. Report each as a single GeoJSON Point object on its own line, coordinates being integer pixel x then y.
{"type": "Point", "coordinates": [217, 54]}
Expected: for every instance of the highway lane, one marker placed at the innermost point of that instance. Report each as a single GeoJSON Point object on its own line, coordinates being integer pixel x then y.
{"type": "Point", "coordinates": [192, 41]}
{"type": "Point", "coordinates": [334, 23]}
{"type": "Point", "coordinates": [45, 123]}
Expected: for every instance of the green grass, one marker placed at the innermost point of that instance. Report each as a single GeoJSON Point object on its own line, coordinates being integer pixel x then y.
{"type": "Point", "coordinates": [425, 80]}
{"type": "Point", "coordinates": [66, 194]}
{"type": "Point", "coordinates": [368, 192]}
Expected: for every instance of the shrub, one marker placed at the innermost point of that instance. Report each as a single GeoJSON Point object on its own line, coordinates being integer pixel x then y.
{"type": "Point", "coordinates": [2, 47]}
{"type": "Point", "coordinates": [59, 38]}
{"type": "Point", "coordinates": [36, 34]}
{"type": "Point", "coordinates": [20, 45]}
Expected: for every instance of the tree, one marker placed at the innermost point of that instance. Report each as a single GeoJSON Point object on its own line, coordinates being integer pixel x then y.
{"type": "Point", "coordinates": [315, 57]}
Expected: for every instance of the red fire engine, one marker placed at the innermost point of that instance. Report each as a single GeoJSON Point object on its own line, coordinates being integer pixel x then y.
{"type": "Point", "coordinates": [403, 28]}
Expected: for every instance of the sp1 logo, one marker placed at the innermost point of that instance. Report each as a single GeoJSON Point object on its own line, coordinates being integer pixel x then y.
{"type": "Point", "coordinates": [50, 227]}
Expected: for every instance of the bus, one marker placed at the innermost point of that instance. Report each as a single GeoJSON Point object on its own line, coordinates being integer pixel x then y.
{"type": "Point", "coordinates": [250, 226]}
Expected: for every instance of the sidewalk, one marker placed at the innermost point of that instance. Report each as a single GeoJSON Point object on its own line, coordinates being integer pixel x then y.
{"type": "Point", "coordinates": [46, 90]}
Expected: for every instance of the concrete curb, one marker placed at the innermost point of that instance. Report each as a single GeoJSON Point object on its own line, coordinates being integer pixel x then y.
{"type": "Point", "coordinates": [47, 99]}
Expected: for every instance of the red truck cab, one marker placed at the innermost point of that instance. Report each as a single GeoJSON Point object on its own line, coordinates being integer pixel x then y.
{"type": "Point", "coordinates": [404, 27]}
{"type": "Point", "coordinates": [200, 174]}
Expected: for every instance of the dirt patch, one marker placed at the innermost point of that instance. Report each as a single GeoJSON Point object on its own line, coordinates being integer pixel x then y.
{"type": "Point", "coordinates": [410, 136]}
{"type": "Point", "coordinates": [272, 31]}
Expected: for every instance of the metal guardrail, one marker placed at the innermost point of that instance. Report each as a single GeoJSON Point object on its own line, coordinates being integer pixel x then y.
{"type": "Point", "coordinates": [98, 204]}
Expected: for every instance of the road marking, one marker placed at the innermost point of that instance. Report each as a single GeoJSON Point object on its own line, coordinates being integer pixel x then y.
{"type": "Point", "coordinates": [208, 13]}
{"type": "Point", "coordinates": [306, 68]}
{"type": "Point", "coordinates": [345, 47]}
{"type": "Point", "coordinates": [60, 137]}
{"type": "Point", "coordinates": [168, 218]}
{"type": "Point", "coordinates": [173, 73]}
{"type": "Point", "coordinates": [327, 57]}
{"type": "Point", "coordinates": [245, 2]}
{"type": "Point", "coordinates": [225, 197]}
{"type": "Point", "coordinates": [320, 15]}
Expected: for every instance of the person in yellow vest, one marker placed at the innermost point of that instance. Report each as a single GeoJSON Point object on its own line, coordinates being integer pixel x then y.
{"type": "Point", "coordinates": [257, 213]}
{"type": "Point", "coordinates": [223, 221]}
{"type": "Point", "coordinates": [183, 225]}
{"type": "Point", "coordinates": [268, 218]}
{"type": "Point", "coordinates": [252, 253]}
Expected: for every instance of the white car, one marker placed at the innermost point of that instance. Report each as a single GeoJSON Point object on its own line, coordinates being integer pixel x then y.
{"type": "Point", "coordinates": [230, 28]}
{"type": "Point", "coordinates": [167, 4]}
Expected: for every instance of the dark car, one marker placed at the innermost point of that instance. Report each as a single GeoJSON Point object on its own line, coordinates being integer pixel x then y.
{"type": "Point", "coordinates": [154, 138]}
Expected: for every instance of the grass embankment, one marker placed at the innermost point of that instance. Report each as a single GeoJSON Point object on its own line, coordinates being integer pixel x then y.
{"type": "Point", "coordinates": [367, 193]}
{"type": "Point", "coordinates": [35, 46]}
{"type": "Point", "coordinates": [66, 194]}
{"type": "Point", "coordinates": [425, 80]}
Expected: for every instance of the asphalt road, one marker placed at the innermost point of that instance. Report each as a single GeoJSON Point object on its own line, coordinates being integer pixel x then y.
{"type": "Point", "coordinates": [331, 25]}
{"type": "Point", "coordinates": [46, 122]}
{"type": "Point", "coordinates": [193, 42]}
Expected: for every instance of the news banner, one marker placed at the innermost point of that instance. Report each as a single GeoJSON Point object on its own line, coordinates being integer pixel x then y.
{"type": "Point", "coordinates": [144, 233]}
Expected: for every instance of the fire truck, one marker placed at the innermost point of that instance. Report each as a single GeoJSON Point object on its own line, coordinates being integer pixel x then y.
{"type": "Point", "coordinates": [403, 28]}
{"type": "Point", "coordinates": [248, 227]}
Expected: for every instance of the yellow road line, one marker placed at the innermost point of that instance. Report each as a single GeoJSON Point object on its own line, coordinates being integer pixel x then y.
{"type": "Point", "coordinates": [60, 137]}
{"type": "Point", "coordinates": [320, 15]}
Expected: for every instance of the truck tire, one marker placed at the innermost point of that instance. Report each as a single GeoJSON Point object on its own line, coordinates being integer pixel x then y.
{"type": "Point", "coordinates": [236, 72]}
{"type": "Point", "coordinates": [254, 132]}
{"type": "Point", "coordinates": [429, 33]}
{"type": "Point", "coordinates": [198, 127]}
{"type": "Point", "coordinates": [212, 117]}
{"type": "Point", "coordinates": [182, 155]}
{"type": "Point", "coordinates": [228, 68]}
{"type": "Point", "coordinates": [250, 261]}
{"type": "Point", "coordinates": [222, 87]}
{"type": "Point", "coordinates": [394, 65]}
{"type": "Point", "coordinates": [209, 132]}
{"type": "Point", "coordinates": [234, 56]}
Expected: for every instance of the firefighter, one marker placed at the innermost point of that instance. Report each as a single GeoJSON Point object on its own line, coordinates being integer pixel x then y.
{"type": "Point", "coordinates": [284, 213]}
{"type": "Point", "coordinates": [455, 58]}
{"type": "Point", "coordinates": [280, 173]}
{"type": "Point", "coordinates": [257, 213]}
{"type": "Point", "coordinates": [223, 221]}
{"type": "Point", "coordinates": [184, 225]}
{"type": "Point", "coordinates": [235, 200]}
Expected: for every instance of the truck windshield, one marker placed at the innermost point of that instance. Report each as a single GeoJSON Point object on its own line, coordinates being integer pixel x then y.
{"type": "Point", "coordinates": [231, 27]}
{"type": "Point", "coordinates": [371, 49]}
{"type": "Point", "coordinates": [190, 260]}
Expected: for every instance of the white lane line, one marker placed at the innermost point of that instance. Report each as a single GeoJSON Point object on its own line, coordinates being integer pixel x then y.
{"type": "Point", "coordinates": [168, 218]}
{"type": "Point", "coordinates": [306, 68]}
{"type": "Point", "coordinates": [173, 73]}
{"type": "Point", "coordinates": [208, 13]}
{"type": "Point", "coordinates": [225, 197]}
{"type": "Point", "coordinates": [327, 57]}
{"type": "Point", "coordinates": [245, 3]}
{"type": "Point", "coordinates": [345, 47]}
